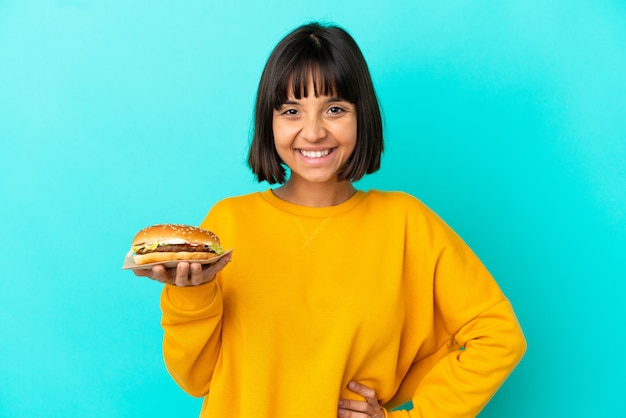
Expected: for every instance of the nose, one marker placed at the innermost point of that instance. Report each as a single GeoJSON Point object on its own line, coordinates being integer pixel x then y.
{"type": "Point", "coordinates": [313, 129]}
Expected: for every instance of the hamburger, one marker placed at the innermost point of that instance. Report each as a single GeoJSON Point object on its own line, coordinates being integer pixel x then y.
{"type": "Point", "coordinates": [168, 242]}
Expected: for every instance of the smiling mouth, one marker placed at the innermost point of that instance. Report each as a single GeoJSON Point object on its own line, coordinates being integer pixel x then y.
{"type": "Point", "coordinates": [315, 154]}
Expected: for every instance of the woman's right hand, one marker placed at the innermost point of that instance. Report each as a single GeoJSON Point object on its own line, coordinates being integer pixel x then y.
{"type": "Point", "coordinates": [185, 273]}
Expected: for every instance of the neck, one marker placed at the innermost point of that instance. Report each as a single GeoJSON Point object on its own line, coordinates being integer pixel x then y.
{"type": "Point", "coordinates": [316, 195]}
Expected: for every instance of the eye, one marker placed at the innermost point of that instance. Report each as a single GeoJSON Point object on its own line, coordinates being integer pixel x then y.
{"type": "Point", "coordinates": [336, 110]}
{"type": "Point", "coordinates": [287, 111]}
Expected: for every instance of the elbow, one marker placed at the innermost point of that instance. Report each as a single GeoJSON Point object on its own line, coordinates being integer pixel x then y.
{"type": "Point", "coordinates": [195, 393]}
{"type": "Point", "coordinates": [521, 345]}
{"type": "Point", "coordinates": [512, 336]}
{"type": "Point", "coordinates": [189, 385]}
{"type": "Point", "coordinates": [516, 345]}
{"type": "Point", "coordinates": [507, 338]}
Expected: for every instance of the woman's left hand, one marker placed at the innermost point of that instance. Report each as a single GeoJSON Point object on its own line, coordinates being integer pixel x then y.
{"type": "Point", "coordinates": [369, 408]}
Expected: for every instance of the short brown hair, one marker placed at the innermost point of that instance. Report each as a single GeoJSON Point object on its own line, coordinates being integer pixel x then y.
{"type": "Point", "coordinates": [332, 58]}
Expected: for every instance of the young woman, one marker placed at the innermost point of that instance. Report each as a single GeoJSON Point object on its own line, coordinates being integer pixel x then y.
{"type": "Point", "coordinates": [337, 302]}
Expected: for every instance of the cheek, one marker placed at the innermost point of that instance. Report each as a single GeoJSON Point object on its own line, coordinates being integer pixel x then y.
{"type": "Point", "coordinates": [282, 145]}
{"type": "Point", "coordinates": [280, 133]}
{"type": "Point", "coordinates": [350, 138]}
{"type": "Point", "coordinates": [280, 141]}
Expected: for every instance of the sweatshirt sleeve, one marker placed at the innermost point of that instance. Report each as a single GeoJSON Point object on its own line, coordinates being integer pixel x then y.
{"type": "Point", "coordinates": [478, 360]}
{"type": "Point", "coordinates": [192, 323]}
{"type": "Point", "coordinates": [479, 339]}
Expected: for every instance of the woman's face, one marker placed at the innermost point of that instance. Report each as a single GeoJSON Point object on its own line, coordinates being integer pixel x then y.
{"type": "Point", "coordinates": [315, 136]}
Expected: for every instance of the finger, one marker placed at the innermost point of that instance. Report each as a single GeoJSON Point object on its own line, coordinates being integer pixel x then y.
{"type": "Point", "coordinates": [143, 272]}
{"type": "Point", "coordinates": [368, 393]}
{"type": "Point", "coordinates": [371, 405]}
{"type": "Point", "coordinates": [221, 263]}
{"type": "Point", "coordinates": [196, 275]}
{"type": "Point", "coordinates": [182, 274]}
{"type": "Point", "coordinates": [212, 269]}
{"type": "Point", "coordinates": [347, 406]}
{"type": "Point", "coordinates": [159, 273]}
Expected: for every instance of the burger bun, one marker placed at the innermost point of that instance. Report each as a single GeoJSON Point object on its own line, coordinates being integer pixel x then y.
{"type": "Point", "coordinates": [172, 242]}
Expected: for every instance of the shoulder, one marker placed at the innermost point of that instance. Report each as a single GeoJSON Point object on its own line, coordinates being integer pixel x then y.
{"type": "Point", "coordinates": [397, 200]}
{"type": "Point", "coordinates": [240, 201]}
{"type": "Point", "coordinates": [401, 205]}
{"type": "Point", "coordinates": [229, 207]}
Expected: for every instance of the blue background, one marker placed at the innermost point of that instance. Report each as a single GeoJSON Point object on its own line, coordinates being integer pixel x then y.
{"type": "Point", "coordinates": [506, 117]}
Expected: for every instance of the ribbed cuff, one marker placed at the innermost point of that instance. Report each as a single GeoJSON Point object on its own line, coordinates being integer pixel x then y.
{"type": "Point", "coordinates": [191, 298]}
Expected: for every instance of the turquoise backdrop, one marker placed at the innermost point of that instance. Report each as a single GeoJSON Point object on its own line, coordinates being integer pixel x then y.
{"type": "Point", "coordinates": [506, 117]}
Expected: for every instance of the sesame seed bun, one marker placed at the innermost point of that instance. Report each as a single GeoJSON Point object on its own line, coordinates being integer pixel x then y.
{"type": "Point", "coordinates": [167, 242]}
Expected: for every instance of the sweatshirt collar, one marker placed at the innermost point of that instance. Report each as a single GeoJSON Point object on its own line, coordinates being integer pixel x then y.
{"type": "Point", "coordinates": [313, 212]}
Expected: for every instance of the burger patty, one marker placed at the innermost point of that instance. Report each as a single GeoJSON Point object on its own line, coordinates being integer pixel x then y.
{"type": "Point", "coordinates": [176, 248]}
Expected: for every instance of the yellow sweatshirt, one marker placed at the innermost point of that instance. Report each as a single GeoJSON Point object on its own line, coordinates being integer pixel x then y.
{"type": "Point", "coordinates": [377, 289]}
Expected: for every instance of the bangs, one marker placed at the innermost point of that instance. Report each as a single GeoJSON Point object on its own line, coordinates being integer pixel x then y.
{"type": "Point", "coordinates": [328, 75]}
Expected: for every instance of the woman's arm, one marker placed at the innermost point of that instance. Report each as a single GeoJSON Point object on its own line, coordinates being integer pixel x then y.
{"type": "Point", "coordinates": [480, 357]}
{"type": "Point", "coordinates": [192, 321]}
{"type": "Point", "coordinates": [476, 336]}
{"type": "Point", "coordinates": [191, 303]}
{"type": "Point", "coordinates": [479, 338]}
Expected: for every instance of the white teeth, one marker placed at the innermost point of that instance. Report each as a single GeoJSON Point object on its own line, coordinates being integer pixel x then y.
{"type": "Point", "coordinates": [315, 154]}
